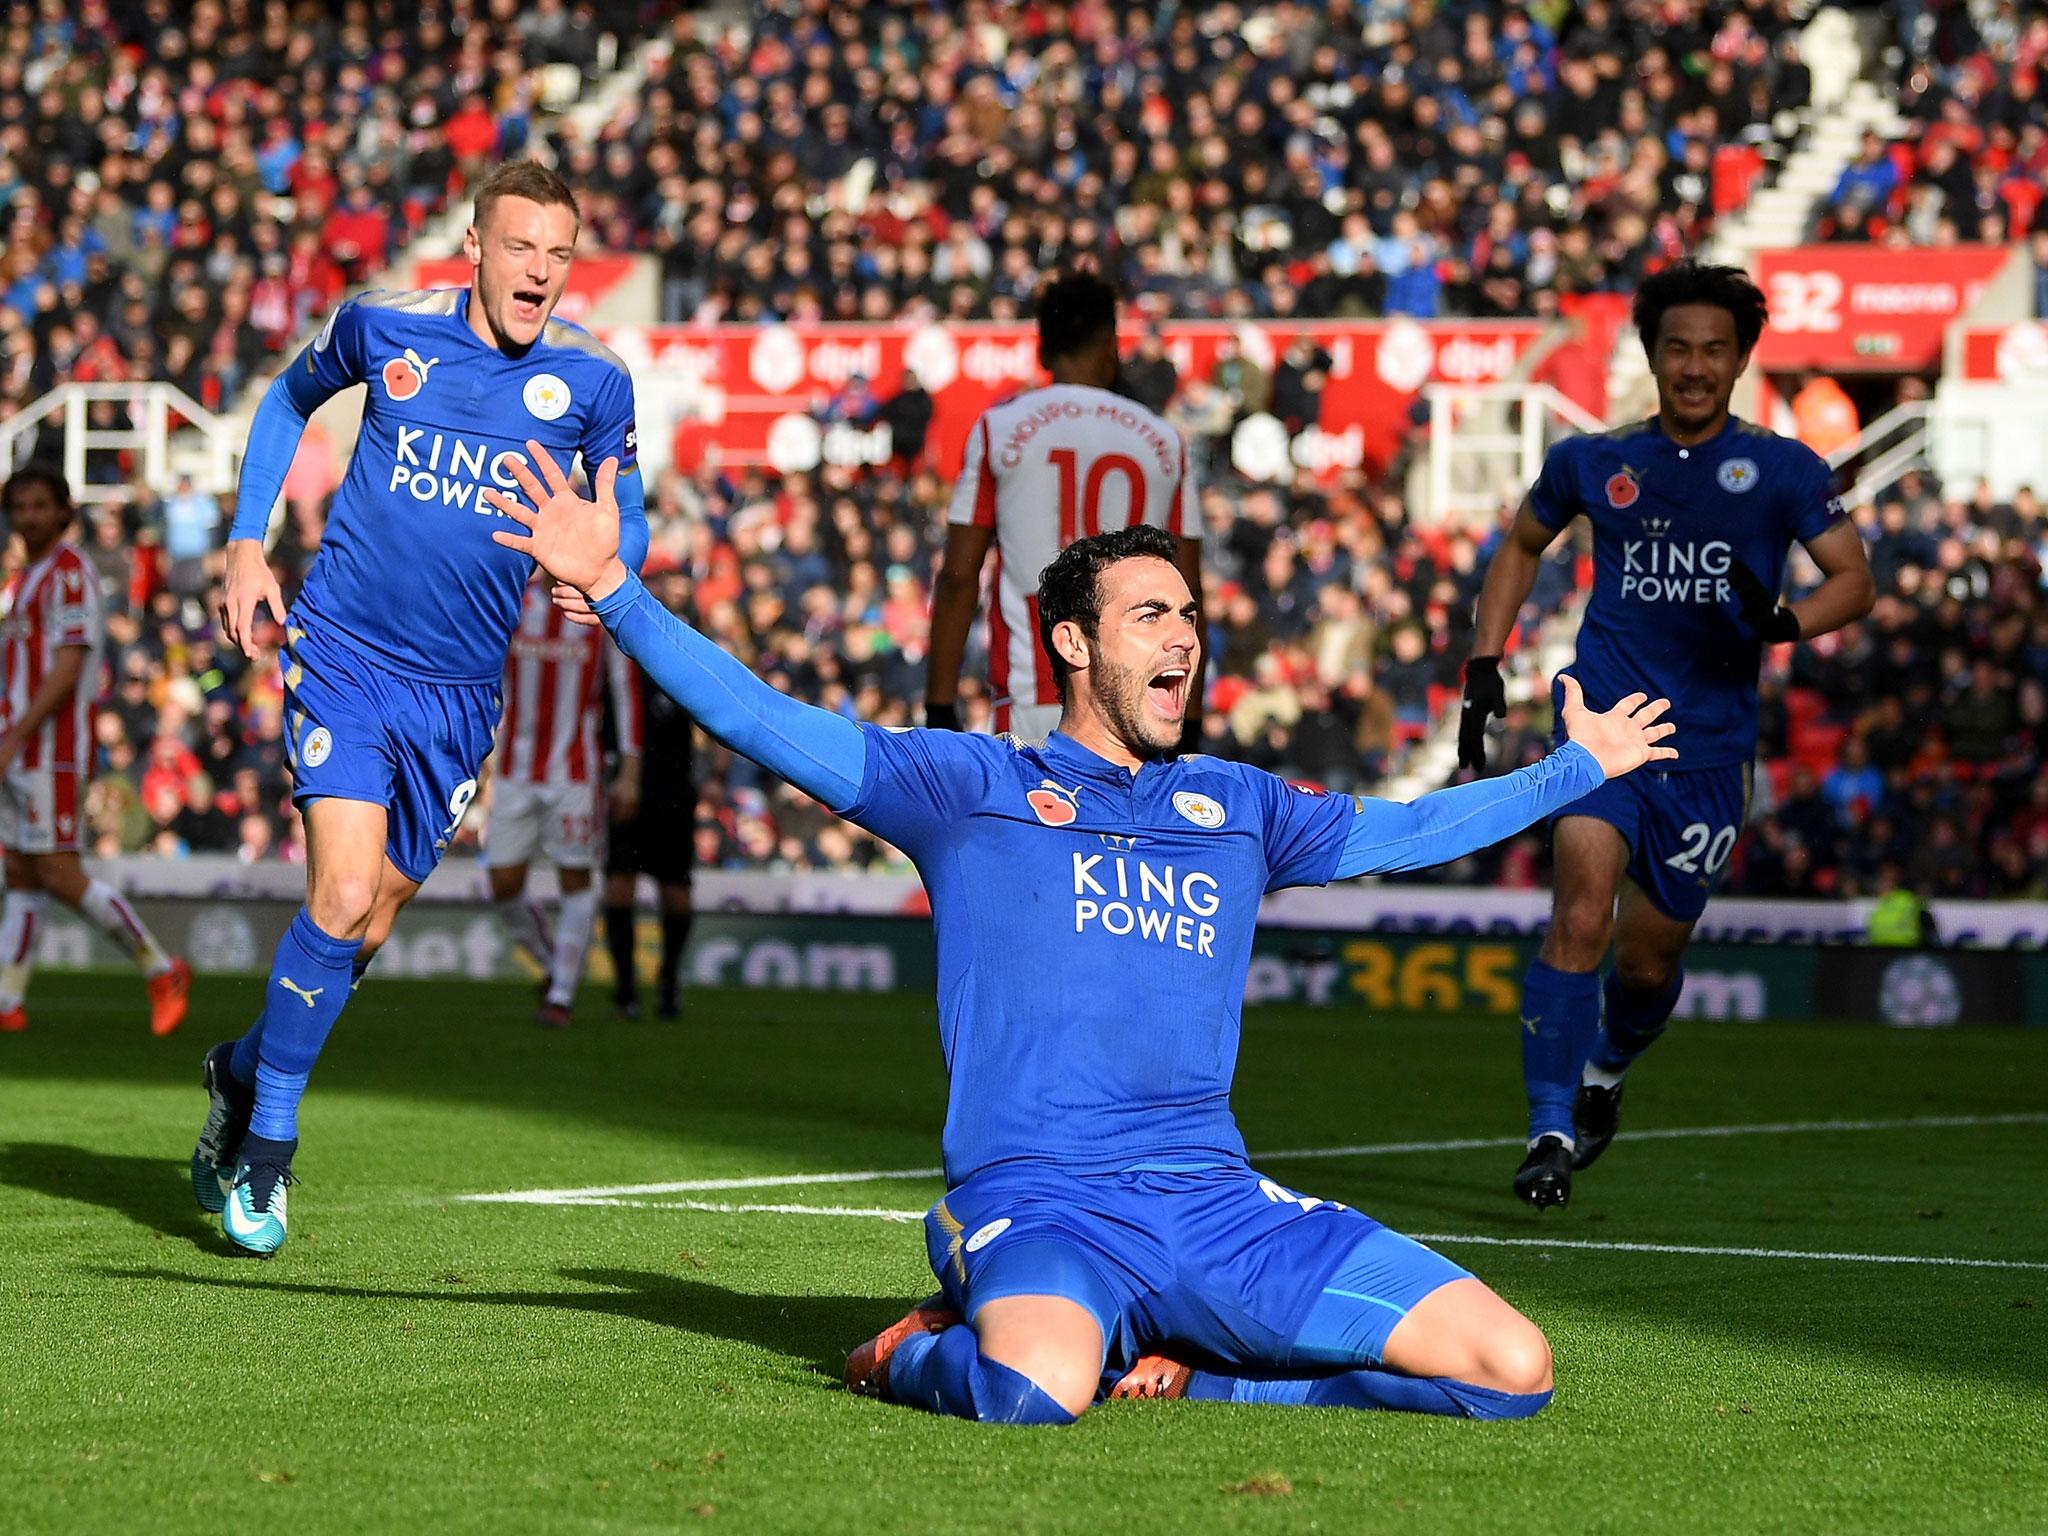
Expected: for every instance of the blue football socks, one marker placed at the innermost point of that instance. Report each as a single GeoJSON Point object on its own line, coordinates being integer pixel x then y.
{"type": "Point", "coordinates": [1633, 1023]}
{"type": "Point", "coordinates": [1560, 1015]}
{"type": "Point", "coordinates": [1371, 1389]}
{"type": "Point", "coordinates": [309, 985]}
{"type": "Point", "coordinates": [947, 1373]}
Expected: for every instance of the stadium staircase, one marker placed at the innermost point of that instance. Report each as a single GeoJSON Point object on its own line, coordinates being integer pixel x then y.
{"type": "Point", "coordinates": [1825, 138]}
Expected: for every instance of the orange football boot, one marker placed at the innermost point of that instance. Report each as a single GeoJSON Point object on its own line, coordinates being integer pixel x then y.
{"type": "Point", "coordinates": [170, 994]}
{"type": "Point", "coordinates": [867, 1368]}
{"type": "Point", "coordinates": [1153, 1376]}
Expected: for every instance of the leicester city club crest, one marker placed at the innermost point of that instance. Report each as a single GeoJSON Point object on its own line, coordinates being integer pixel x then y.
{"type": "Point", "coordinates": [1736, 475]}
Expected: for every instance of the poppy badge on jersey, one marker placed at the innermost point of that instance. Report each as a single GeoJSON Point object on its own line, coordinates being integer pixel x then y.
{"type": "Point", "coordinates": [406, 375]}
{"type": "Point", "coordinates": [1054, 806]}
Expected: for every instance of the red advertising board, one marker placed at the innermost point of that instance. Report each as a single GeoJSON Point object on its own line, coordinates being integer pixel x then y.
{"type": "Point", "coordinates": [2004, 354]}
{"type": "Point", "coordinates": [755, 394]}
{"type": "Point", "coordinates": [1868, 308]}
{"type": "Point", "coordinates": [590, 279]}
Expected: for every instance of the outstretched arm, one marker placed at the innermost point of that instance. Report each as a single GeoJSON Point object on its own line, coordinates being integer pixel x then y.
{"type": "Point", "coordinates": [1447, 825]}
{"type": "Point", "coordinates": [577, 542]}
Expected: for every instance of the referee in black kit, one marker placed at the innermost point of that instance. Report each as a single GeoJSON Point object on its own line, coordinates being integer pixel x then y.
{"type": "Point", "coordinates": [657, 839]}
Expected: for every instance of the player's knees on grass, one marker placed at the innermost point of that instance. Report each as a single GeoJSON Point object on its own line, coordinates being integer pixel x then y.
{"type": "Point", "coordinates": [1514, 1359]}
{"type": "Point", "coordinates": [1462, 1331]}
{"type": "Point", "coordinates": [1053, 1342]}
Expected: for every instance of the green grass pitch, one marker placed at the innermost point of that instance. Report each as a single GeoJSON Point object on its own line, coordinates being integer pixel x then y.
{"type": "Point", "coordinates": [417, 1362]}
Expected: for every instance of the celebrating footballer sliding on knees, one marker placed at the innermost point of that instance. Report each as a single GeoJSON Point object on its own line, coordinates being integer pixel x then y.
{"type": "Point", "coordinates": [1093, 900]}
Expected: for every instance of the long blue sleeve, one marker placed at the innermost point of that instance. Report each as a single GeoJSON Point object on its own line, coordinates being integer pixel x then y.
{"type": "Point", "coordinates": [281, 417]}
{"type": "Point", "coordinates": [631, 495]}
{"type": "Point", "coordinates": [819, 752]}
{"type": "Point", "coordinates": [1386, 836]}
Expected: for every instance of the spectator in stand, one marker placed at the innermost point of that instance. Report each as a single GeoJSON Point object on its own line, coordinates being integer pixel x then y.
{"type": "Point", "coordinates": [1863, 192]}
{"type": "Point", "coordinates": [1853, 782]}
{"type": "Point", "coordinates": [908, 416]}
{"type": "Point", "coordinates": [1825, 417]}
{"type": "Point", "coordinates": [1148, 375]}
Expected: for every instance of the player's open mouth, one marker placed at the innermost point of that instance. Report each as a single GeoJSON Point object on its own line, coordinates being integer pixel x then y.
{"type": "Point", "coordinates": [527, 303]}
{"type": "Point", "coordinates": [1169, 691]}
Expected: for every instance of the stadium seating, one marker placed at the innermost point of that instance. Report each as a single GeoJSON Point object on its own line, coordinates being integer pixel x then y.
{"type": "Point", "coordinates": [188, 189]}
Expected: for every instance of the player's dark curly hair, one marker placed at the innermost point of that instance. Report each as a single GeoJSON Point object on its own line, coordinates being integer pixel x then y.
{"type": "Point", "coordinates": [1696, 282]}
{"type": "Point", "coordinates": [38, 474]}
{"type": "Point", "coordinates": [1071, 587]}
{"type": "Point", "coordinates": [1074, 311]}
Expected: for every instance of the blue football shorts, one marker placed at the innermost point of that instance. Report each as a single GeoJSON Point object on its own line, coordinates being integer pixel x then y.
{"type": "Point", "coordinates": [1218, 1267]}
{"type": "Point", "coordinates": [1680, 827]}
{"type": "Point", "coordinates": [357, 731]}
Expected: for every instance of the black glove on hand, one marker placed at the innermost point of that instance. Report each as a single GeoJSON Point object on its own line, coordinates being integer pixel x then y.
{"type": "Point", "coordinates": [942, 717]}
{"type": "Point", "coordinates": [1485, 695]}
{"type": "Point", "coordinates": [1773, 622]}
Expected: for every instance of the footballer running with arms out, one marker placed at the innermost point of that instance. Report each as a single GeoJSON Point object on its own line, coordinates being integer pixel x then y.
{"type": "Point", "coordinates": [1102, 1211]}
{"type": "Point", "coordinates": [395, 646]}
{"type": "Point", "coordinates": [53, 636]}
{"type": "Point", "coordinates": [1693, 513]}
{"type": "Point", "coordinates": [1043, 469]}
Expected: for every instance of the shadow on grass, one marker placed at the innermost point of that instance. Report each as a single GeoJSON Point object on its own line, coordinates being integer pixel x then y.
{"type": "Point", "coordinates": [817, 1330]}
{"type": "Point", "coordinates": [149, 1191]}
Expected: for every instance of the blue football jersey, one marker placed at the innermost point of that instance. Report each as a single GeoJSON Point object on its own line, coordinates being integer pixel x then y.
{"type": "Point", "coordinates": [1093, 929]}
{"type": "Point", "coordinates": [1667, 523]}
{"type": "Point", "coordinates": [406, 568]}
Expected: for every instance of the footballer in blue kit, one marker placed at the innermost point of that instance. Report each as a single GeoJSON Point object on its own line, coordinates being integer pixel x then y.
{"type": "Point", "coordinates": [1693, 515]}
{"type": "Point", "coordinates": [395, 647]}
{"type": "Point", "coordinates": [1093, 903]}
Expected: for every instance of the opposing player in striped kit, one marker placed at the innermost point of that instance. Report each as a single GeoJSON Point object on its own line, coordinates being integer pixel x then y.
{"type": "Point", "coordinates": [53, 636]}
{"type": "Point", "coordinates": [1043, 469]}
{"type": "Point", "coordinates": [547, 786]}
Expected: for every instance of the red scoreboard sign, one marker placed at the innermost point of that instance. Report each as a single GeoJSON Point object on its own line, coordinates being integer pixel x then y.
{"type": "Point", "coordinates": [1868, 308]}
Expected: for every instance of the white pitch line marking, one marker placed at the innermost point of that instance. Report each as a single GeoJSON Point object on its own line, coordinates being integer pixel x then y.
{"type": "Point", "coordinates": [1670, 1133]}
{"type": "Point", "coordinates": [725, 1208]}
{"type": "Point", "coordinates": [1703, 1251]}
{"type": "Point", "coordinates": [599, 1193]}
{"type": "Point", "coordinates": [695, 1186]}
{"type": "Point", "coordinates": [1694, 1250]}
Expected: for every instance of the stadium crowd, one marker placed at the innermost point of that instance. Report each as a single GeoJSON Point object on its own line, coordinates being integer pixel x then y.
{"type": "Point", "coordinates": [1974, 167]}
{"type": "Point", "coordinates": [870, 160]}
{"type": "Point", "coordinates": [187, 185]}
{"type": "Point", "coordinates": [230, 180]}
{"type": "Point", "coordinates": [1913, 747]}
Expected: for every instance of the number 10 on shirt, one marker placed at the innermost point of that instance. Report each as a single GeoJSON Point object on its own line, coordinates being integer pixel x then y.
{"type": "Point", "coordinates": [1081, 504]}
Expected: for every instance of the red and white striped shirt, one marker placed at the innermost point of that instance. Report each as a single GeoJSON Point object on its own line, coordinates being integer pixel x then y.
{"type": "Point", "coordinates": [1048, 467]}
{"type": "Point", "coordinates": [549, 734]}
{"type": "Point", "coordinates": [52, 604]}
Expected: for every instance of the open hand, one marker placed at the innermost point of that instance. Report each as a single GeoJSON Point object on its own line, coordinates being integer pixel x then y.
{"type": "Point", "coordinates": [575, 540]}
{"type": "Point", "coordinates": [1623, 738]}
{"type": "Point", "coordinates": [247, 585]}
